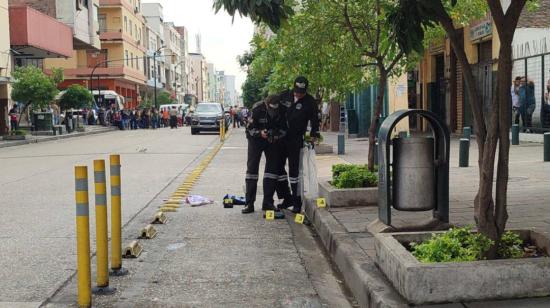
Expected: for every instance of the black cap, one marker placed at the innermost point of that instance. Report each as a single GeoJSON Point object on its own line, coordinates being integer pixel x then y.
{"type": "Point", "coordinates": [300, 84]}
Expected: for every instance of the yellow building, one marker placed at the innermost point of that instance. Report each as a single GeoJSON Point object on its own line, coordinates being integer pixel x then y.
{"type": "Point", "coordinates": [5, 67]}
{"type": "Point", "coordinates": [120, 64]}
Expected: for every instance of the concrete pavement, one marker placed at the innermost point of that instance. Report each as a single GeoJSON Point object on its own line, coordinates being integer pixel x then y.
{"type": "Point", "coordinates": [344, 230]}
{"type": "Point", "coordinates": [89, 130]}
{"type": "Point", "coordinates": [37, 234]}
{"type": "Point", "coordinates": [208, 256]}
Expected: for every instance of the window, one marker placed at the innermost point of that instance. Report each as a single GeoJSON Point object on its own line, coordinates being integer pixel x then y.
{"type": "Point", "coordinates": [137, 62]}
{"type": "Point", "coordinates": [127, 59]}
{"type": "Point", "coordinates": [131, 33]}
{"type": "Point", "coordinates": [132, 61]}
{"type": "Point", "coordinates": [135, 30]}
{"type": "Point", "coordinates": [125, 24]}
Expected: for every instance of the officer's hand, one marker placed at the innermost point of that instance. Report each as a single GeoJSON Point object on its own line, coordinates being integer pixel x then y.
{"type": "Point", "coordinates": [263, 133]}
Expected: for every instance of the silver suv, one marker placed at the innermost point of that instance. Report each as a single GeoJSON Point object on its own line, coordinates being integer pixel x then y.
{"type": "Point", "coordinates": [207, 117]}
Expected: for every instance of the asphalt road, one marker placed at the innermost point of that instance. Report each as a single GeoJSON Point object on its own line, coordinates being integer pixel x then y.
{"type": "Point", "coordinates": [37, 229]}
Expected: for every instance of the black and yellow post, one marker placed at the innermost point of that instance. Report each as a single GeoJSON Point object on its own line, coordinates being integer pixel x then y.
{"type": "Point", "coordinates": [116, 218]}
{"type": "Point", "coordinates": [84, 283]}
{"type": "Point", "coordinates": [102, 251]}
{"type": "Point", "coordinates": [222, 129]}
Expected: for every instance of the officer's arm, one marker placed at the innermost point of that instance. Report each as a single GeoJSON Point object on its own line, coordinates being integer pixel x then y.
{"type": "Point", "coordinates": [314, 119]}
{"type": "Point", "coordinates": [252, 128]}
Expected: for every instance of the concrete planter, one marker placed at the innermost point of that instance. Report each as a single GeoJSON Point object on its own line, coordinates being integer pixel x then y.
{"type": "Point", "coordinates": [336, 197]}
{"type": "Point", "coordinates": [423, 283]}
{"type": "Point", "coordinates": [14, 137]}
{"type": "Point", "coordinates": [323, 148]}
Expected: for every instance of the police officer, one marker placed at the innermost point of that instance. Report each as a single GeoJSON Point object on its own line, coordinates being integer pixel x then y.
{"type": "Point", "coordinates": [301, 109]}
{"type": "Point", "coordinates": [265, 130]}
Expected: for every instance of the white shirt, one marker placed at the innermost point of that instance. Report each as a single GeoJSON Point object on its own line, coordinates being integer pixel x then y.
{"type": "Point", "coordinates": [515, 97]}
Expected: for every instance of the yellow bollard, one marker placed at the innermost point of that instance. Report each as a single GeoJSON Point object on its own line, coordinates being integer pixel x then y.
{"type": "Point", "coordinates": [102, 251]}
{"type": "Point", "coordinates": [82, 237]}
{"type": "Point", "coordinates": [116, 218]}
{"type": "Point", "coordinates": [221, 129]}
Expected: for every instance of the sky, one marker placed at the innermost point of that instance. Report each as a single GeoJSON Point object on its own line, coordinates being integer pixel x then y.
{"type": "Point", "coordinates": [221, 39]}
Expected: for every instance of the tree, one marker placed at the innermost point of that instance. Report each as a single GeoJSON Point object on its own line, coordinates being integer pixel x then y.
{"type": "Point", "coordinates": [76, 97]}
{"type": "Point", "coordinates": [164, 98]}
{"type": "Point", "coordinates": [492, 125]}
{"type": "Point", "coordinates": [272, 12]}
{"type": "Point", "coordinates": [34, 88]}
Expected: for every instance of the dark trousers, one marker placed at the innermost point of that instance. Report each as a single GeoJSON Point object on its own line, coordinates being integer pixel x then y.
{"type": "Point", "coordinates": [13, 124]}
{"type": "Point", "coordinates": [274, 154]}
{"type": "Point", "coordinates": [255, 149]}
{"type": "Point", "coordinates": [291, 152]}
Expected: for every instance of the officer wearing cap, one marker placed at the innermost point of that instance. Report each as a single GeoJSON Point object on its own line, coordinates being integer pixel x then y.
{"type": "Point", "coordinates": [301, 109]}
{"type": "Point", "coordinates": [265, 130]}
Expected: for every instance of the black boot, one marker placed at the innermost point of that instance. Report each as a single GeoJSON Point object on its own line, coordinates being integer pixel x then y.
{"type": "Point", "coordinates": [284, 205]}
{"type": "Point", "coordinates": [249, 208]}
{"type": "Point", "coordinates": [268, 207]}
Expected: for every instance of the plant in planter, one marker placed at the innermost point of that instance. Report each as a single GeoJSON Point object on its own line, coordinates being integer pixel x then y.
{"type": "Point", "coordinates": [353, 176]}
{"type": "Point", "coordinates": [351, 185]}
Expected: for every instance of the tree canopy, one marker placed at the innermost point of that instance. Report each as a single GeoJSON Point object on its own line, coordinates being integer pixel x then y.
{"type": "Point", "coordinates": [76, 97]}
{"type": "Point", "coordinates": [33, 87]}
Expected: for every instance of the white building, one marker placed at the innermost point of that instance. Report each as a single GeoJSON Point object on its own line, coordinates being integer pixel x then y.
{"type": "Point", "coordinates": [230, 97]}
{"type": "Point", "coordinates": [198, 76]}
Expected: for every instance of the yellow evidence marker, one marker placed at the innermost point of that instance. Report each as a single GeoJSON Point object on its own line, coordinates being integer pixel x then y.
{"type": "Point", "coordinates": [321, 202]}
{"type": "Point", "coordinates": [299, 219]}
{"type": "Point", "coordinates": [269, 215]}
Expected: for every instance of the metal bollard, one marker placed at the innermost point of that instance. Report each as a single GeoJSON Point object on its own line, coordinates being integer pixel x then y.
{"type": "Point", "coordinates": [515, 134]}
{"type": "Point", "coordinates": [376, 153]}
{"type": "Point", "coordinates": [222, 129]}
{"type": "Point", "coordinates": [84, 284]}
{"type": "Point", "coordinates": [464, 153]}
{"type": "Point", "coordinates": [116, 218]}
{"type": "Point", "coordinates": [546, 146]}
{"type": "Point", "coordinates": [102, 250]}
{"type": "Point", "coordinates": [467, 132]}
{"type": "Point", "coordinates": [341, 144]}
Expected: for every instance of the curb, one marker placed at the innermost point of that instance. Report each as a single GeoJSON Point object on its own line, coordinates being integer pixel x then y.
{"type": "Point", "coordinates": [367, 283]}
{"type": "Point", "coordinates": [53, 138]}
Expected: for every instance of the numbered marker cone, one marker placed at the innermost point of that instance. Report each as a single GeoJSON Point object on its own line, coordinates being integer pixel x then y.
{"type": "Point", "coordinates": [299, 219]}
{"type": "Point", "coordinates": [269, 215]}
{"type": "Point", "coordinates": [321, 202]}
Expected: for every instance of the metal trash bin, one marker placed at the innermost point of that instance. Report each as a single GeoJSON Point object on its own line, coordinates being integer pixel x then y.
{"type": "Point", "coordinates": [42, 121]}
{"type": "Point", "coordinates": [413, 174]}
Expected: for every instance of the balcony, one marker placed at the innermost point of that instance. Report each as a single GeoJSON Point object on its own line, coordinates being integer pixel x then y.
{"type": "Point", "coordinates": [36, 35]}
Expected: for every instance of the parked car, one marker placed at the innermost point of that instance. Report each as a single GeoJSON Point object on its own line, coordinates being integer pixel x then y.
{"type": "Point", "coordinates": [206, 117]}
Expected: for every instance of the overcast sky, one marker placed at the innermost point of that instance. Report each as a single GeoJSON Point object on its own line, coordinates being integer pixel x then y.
{"type": "Point", "coordinates": [222, 40]}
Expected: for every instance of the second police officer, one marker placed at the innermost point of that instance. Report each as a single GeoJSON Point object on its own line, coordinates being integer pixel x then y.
{"type": "Point", "coordinates": [301, 109]}
{"type": "Point", "coordinates": [266, 128]}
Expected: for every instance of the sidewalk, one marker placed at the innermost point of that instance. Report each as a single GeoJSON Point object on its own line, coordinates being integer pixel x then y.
{"type": "Point", "coordinates": [344, 230]}
{"type": "Point", "coordinates": [90, 130]}
{"type": "Point", "coordinates": [208, 256]}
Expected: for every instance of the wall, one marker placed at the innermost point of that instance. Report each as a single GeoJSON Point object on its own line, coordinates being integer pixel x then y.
{"type": "Point", "coordinates": [5, 67]}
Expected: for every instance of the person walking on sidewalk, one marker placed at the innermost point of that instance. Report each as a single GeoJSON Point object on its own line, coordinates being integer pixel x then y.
{"type": "Point", "coordinates": [14, 116]}
{"type": "Point", "coordinates": [173, 117]}
{"type": "Point", "coordinates": [302, 109]}
{"type": "Point", "coordinates": [265, 130]}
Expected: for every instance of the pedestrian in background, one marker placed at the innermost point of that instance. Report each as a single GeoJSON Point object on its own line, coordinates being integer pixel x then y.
{"type": "Point", "coordinates": [173, 118]}
{"type": "Point", "coordinates": [14, 117]}
{"type": "Point", "coordinates": [165, 117]}
{"type": "Point", "coordinates": [514, 91]}
{"type": "Point", "coordinates": [531, 104]}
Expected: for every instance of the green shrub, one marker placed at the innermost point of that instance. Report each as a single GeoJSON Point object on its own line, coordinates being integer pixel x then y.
{"type": "Point", "coordinates": [353, 176]}
{"type": "Point", "coordinates": [20, 132]}
{"type": "Point", "coordinates": [455, 245]}
{"type": "Point", "coordinates": [510, 246]}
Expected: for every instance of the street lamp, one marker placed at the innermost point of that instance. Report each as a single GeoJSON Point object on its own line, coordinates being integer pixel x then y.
{"type": "Point", "coordinates": [155, 70]}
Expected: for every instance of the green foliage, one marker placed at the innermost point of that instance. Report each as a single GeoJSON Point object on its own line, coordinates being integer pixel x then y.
{"type": "Point", "coordinates": [164, 98]}
{"type": "Point", "coordinates": [271, 12]}
{"type": "Point", "coordinates": [76, 97]}
{"type": "Point", "coordinates": [509, 246]}
{"type": "Point", "coordinates": [20, 132]}
{"type": "Point", "coordinates": [455, 245]}
{"type": "Point", "coordinates": [146, 103]}
{"type": "Point", "coordinates": [33, 87]}
{"type": "Point", "coordinates": [353, 176]}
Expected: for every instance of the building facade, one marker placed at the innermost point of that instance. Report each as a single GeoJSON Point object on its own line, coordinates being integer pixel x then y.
{"type": "Point", "coordinates": [5, 67]}
{"type": "Point", "coordinates": [156, 59]}
{"type": "Point", "coordinates": [230, 96]}
{"type": "Point", "coordinates": [184, 59]}
{"type": "Point", "coordinates": [199, 75]}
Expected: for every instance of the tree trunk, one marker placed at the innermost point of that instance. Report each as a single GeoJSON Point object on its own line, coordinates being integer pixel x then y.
{"type": "Point", "coordinates": [382, 81]}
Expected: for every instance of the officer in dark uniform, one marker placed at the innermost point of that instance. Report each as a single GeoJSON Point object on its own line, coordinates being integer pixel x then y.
{"type": "Point", "coordinates": [301, 109]}
{"type": "Point", "coordinates": [265, 130]}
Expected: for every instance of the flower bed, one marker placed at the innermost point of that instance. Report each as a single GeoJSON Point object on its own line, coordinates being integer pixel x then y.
{"type": "Point", "coordinates": [350, 185]}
